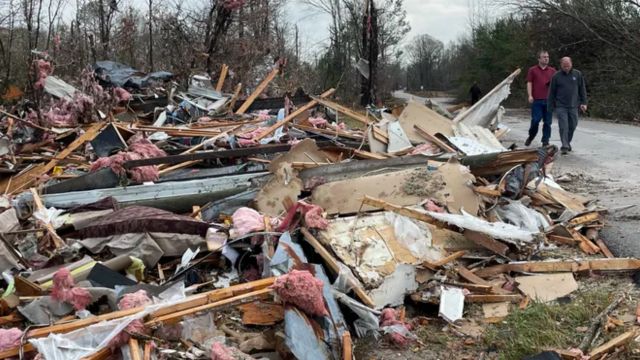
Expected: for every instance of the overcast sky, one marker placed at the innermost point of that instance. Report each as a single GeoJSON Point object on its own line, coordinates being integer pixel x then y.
{"type": "Point", "coordinates": [446, 20]}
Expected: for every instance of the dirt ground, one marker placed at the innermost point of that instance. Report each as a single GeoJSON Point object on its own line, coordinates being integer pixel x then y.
{"type": "Point", "coordinates": [603, 166]}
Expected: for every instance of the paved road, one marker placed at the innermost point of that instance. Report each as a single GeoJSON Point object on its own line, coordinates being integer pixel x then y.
{"type": "Point", "coordinates": [606, 164]}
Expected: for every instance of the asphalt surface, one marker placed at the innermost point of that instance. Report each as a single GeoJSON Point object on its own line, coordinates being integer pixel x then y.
{"type": "Point", "coordinates": [604, 165]}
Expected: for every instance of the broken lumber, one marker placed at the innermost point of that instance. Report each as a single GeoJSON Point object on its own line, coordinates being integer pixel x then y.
{"type": "Point", "coordinates": [343, 110]}
{"type": "Point", "coordinates": [620, 340]}
{"type": "Point", "coordinates": [223, 76]}
{"type": "Point", "coordinates": [293, 115]}
{"type": "Point", "coordinates": [347, 346]}
{"type": "Point", "coordinates": [190, 302]}
{"type": "Point", "coordinates": [598, 322]}
{"type": "Point", "coordinates": [177, 315]}
{"type": "Point", "coordinates": [134, 347]}
{"type": "Point", "coordinates": [605, 249]}
{"type": "Point", "coordinates": [441, 144]}
{"type": "Point", "coordinates": [263, 85]}
{"type": "Point", "coordinates": [410, 213]}
{"type": "Point", "coordinates": [447, 259]}
{"type": "Point", "coordinates": [28, 178]}
{"type": "Point", "coordinates": [486, 242]}
{"type": "Point", "coordinates": [234, 98]}
{"type": "Point", "coordinates": [57, 240]}
{"type": "Point", "coordinates": [585, 219]}
{"type": "Point", "coordinates": [492, 298]}
{"type": "Point", "coordinates": [261, 313]}
{"type": "Point", "coordinates": [616, 264]}
{"type": "Point", "coordinates": [334, 266]}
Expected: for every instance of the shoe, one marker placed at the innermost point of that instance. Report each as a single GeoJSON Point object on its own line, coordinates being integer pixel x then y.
{"type": "Point", "coordinates": [564, 151]}
{"type": "Point", "coordinates": [545, 144]}
{"type": "Point", "coordinates": [570, 149]}
{"type": "Point", "coordinates": [528, 142]}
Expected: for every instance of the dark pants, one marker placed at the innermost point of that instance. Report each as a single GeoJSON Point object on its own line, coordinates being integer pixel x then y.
{"type": "Point", "coordinates": [567, 122]}
{"type": "Point", "coordinates": [539, 112]}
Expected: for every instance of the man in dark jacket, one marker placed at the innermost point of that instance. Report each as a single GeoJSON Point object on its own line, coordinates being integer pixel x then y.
{"type": "Point", "coordinates": [567, 93]}
{"type": "Point", "coordinates": [475, 92]}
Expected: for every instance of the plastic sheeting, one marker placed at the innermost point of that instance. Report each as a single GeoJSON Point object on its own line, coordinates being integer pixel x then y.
{"type": "Point", "coordinates": [117, 74]}
{"type": "Point", "coordinates": [498, 230]}
{"type": "Point", "coordinates": [83, 342]}
{"type": "Point", "coordinates": [525, 218]}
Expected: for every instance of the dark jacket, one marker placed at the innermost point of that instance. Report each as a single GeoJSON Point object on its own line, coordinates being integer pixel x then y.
{"type": "Point", "coordinates": [567, 90]}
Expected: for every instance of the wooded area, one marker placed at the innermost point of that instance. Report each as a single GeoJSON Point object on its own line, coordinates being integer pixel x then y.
{"type": "Point", "coordinates": [200, 36]}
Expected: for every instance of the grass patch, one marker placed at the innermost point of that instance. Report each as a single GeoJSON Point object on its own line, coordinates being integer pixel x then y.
{"type": "Point", "coordinates": [544, 326]}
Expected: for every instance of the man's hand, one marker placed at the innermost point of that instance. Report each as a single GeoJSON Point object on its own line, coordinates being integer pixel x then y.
{"type": "Point", "coordinates": [530, 99]}
{"type": "Point", "coordinates": [583, 108]}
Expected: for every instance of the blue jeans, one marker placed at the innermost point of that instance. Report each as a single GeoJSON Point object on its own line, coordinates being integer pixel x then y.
{"type": "Point", "coordinates": [539, 112]}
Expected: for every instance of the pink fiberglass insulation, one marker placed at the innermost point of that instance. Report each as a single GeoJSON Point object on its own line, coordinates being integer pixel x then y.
{"type": "Point", "coordinates": [64, 290]}
{"type": "Point", "coordinates": [318, 122]}
{"type": "Point", "coordinates": [134, 300]}
{"type": "Point", "coordinates": [130, 301]}
{"type": "Point", "coordinates": [247, 142]}
{"type": "Point", "coordinates": [399, 329]}
{"type": "Point", "coordinates": [43, 69]}
{"type": "Point", "coordinates": [139, 148]}
{"type": "Point", "coordinates": [247, 220]}
{"type": "Point", "coordinates": [69, 112]}
{"type": "Point", "coordinates": [303, 290]}
{"type": "Point", "coordinates": [253, 133]}
{"type": "Point", "coordinates": [426, 148]}
{"type": "Point", "coordinates": [313, 216]}
{"type": "Point", "coordinates": [10, 338]}
{"type": "Point", "coordinates": [432, 206]}
{"type": "Point", "coordinates": [121, 94]}
{"type": "Point", "coordinates": [219, 351]}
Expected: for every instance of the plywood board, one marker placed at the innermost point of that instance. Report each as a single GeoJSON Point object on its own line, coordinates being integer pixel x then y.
{"type": "Point", "coordinates": [285, 184]}
{"type": "Point", "coordinates": [547, 287]}
{"type": "Point", "coordinates": [429, 120]}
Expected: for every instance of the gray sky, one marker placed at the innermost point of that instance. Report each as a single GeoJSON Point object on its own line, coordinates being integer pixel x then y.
{"type": "Point", "coordinates": [446, 20]}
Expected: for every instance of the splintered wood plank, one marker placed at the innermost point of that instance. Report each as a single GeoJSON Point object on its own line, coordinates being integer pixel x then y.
{"type": "Point", "coordinates": [585, 219]}
{"type": "Point", "coordinates": [33, 176]}
{"type": "Point", "coordinates": [616, 264]}
{"type": "Point", "coordinates": [344, 110]}
{"type": "Point", "coordinates": [434, 265]}
{"type": "Point", "coordinates": [612, 344]}
{"type": "Point", "coordinates": [293, 115]}
{"type": "Point", "coordinates": [487, 242]}
{"type": "Point", "coordinates": [261, 313]}
{"type": "Point", "coordinates": [223, 76]}
{"type": "Point", "coordinates": [492, 298]}
{"type": "Point", "coordinates": [57, 240]}
{"type": "Point", "coordinates": [234, 98]}
{"type": "Point", "coordinates": [263, 85]}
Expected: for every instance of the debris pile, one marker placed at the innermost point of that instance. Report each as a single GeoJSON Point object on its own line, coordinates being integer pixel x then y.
{"type": "Point", "coordinates": [190, 223]}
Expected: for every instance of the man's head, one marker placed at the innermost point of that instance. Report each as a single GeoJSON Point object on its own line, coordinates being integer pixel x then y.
{"type": "Point", "coordinates": [565, 64]}
{"type": "Point", "coordinates": [543, 58]}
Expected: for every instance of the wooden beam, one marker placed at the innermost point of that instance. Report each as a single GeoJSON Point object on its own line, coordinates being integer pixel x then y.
{"type": "Point", "coordinates": [475, 279]}
{"type": "Point", "coordinates": [616, 264]}
{"type": "Point", "coordinates": [134, 348]}
{"type": "Point", "coordinates": [343, 110]}
{"type": "Point", "coordinates": [441, 144]}
{"type": "Point", "coordinates": [562, 239]}
{"type": "Point", "coordinates": [190, 302]}
{"type": "Point", "coordinates": [347, 346]}
{"type": "Point", "coordinates": [293, 115]}
{"type": "Point", "coordinates": [234, 98]}
{"type": "Point", "coordinates": [102, 354]}
{"type": "Point", "coordinates": [263, 85]}
{"type": "Point", "coordinates": [57, 240]}
{"type": "Point", "coordinates": [414, 214]}
{"type": "Point", "coordinates": [334, 266]}
{"type": "Point", "coordinates": [486, 242]}
{"type": "Point", "coordinates": [240, 299]}
{"type": "Point", "coordinates": [492, 298]}
{"type": "Point", "coordinates": [147, 351]}
{"type": "Point", "coordinates": [223, 76]}
{"type": "Point", "coordinates": [447, 259]}
{"type": "Point", "coordinates": [610, 345]}
{"type": "Point", "coordinates": [605, 249]}
{"type": "Point", "coordinates": [34, 175]}
{"type": "Point", "coordinates": [585, 219]}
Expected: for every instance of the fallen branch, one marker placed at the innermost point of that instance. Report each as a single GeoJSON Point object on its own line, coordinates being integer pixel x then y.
{"type": "Point", "coordinates": [597, 322]}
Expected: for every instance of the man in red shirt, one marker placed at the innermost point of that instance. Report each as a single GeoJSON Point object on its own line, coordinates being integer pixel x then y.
{"type": "Point", "coordinates": [538, 80]}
